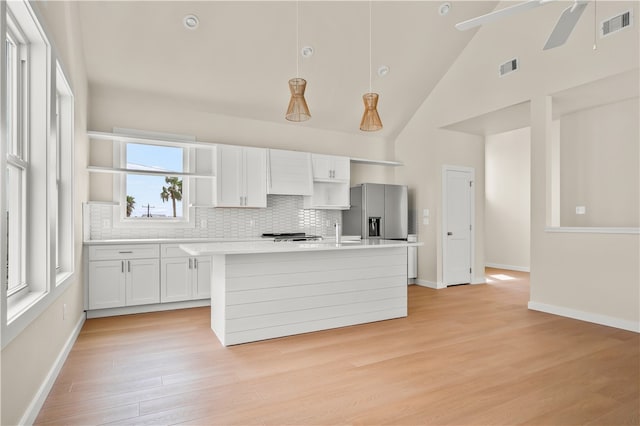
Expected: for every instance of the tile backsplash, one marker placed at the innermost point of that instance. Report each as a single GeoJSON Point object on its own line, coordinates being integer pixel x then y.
{"type": "Point", "coordinates": [284, 213]}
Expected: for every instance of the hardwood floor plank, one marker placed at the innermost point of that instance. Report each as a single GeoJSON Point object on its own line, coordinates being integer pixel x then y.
{"type": "Point", "coordinates": [464, 355]}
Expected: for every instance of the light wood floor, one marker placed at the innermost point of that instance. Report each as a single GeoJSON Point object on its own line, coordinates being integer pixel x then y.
{"type": "Point", "coordinates": [465, 355]}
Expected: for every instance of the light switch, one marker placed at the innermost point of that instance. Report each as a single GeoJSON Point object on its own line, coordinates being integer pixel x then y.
{"type": "Point", "coordinates": [425, 213]}
{"type": "Point", "coordinates": [581, 210]}
{"type": "Point", "coordinates": [425, 220]}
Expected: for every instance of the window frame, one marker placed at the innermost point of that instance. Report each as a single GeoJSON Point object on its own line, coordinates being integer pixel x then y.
{"type": "Point", "coordinates": [61, 177]}
{"type": "Point", "coordinates": [43, 283]}
{"type": "Point", "coordinates": [187, 220]}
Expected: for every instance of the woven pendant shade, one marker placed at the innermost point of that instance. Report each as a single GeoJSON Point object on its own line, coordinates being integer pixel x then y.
{"type": "Point", "coordinates": [370, 119]}
{"type": "Point", "coordinates": [298, 109]}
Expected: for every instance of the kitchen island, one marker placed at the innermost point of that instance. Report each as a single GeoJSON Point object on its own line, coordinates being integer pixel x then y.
{"type": "Point", "coordinates": [265, 289]}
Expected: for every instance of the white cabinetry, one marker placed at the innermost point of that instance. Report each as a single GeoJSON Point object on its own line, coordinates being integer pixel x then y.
{"type": "Point", "coordinates": [331, 176]}
{"type": "Point", "coordinates": [126, 275]}
{"type": "Point", "coordinates": [241, 176]}
{"type": "Point", "coordinates": [289, 173]}
{"type": "Point", "coordinates": [331, 168]}
{"type": "Point", "coordinates": [184, 277]}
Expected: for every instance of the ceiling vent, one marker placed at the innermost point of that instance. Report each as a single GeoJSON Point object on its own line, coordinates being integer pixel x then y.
{"type": "Point", "coordinates": [615, 24]}
{"type": "Point", "coordinates": [509, 67]}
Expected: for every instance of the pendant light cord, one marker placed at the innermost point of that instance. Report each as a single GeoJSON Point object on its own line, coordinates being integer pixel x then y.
{"type": "Point", "coordinates": [370, 89]}
{"type": "Point", "coordinates": [297, 38]}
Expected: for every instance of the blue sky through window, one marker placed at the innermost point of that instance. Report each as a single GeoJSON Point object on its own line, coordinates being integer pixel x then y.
{"type": "Point", "coordinates": [146, 189]}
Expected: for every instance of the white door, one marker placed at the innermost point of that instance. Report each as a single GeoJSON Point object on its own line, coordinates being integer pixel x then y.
{"type": "Point", "coordinates": [457, 226]}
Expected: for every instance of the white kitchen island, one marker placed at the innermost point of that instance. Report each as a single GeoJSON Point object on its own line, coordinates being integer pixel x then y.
{"type": "Point", "coordinates": [265, 289]}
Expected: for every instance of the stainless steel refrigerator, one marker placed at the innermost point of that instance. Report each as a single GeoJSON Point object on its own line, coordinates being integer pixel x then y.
{"type": "Point", "coordinates": [377, 211]}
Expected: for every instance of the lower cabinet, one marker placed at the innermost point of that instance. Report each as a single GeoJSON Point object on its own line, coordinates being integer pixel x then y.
{"type": "Point", "coordinates": [184, 277]}
{"type": "Point", "coordinates": [143, 274]}
{"type": "Point", "coordinates": [124, 282]}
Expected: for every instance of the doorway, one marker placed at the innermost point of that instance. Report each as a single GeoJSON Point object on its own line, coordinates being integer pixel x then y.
{"type": "Point", "coordinates": [457, 225]}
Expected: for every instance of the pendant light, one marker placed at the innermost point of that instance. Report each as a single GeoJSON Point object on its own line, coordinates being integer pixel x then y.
{"type": "Point", "coordinates": [298, 109]}
{"type": "Point", "coordinates": [370, 119]}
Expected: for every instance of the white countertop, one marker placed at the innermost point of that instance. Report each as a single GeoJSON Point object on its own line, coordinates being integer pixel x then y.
{"type": "Point", "coordinates": [167, 240]}
{"type": "Point", "coordinates": [248, 247]}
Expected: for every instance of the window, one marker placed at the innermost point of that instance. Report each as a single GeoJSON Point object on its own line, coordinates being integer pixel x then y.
{"type": "Point", "coordinates": [16, 159]}
{"type": "Point", "coordinates": [151, 196]}
{"type": "Point", "coordinates": [61, 178]}
{"type": "Point", "coordinates": [36, 190]}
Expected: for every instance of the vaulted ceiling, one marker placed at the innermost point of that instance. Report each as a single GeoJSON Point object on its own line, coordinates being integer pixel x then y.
{"type": "Point", "coordinates": [239, 59]}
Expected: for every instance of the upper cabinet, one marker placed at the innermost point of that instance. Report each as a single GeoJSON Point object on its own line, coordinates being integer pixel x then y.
{"type": "Point", "coordinates": [241, 177]}
{"type": "Point", "coordinates": [289, 173]}
{"type": "Point", "coordinates": [331, 177]}
{"type": "Point", "coordinates": [327, 168]}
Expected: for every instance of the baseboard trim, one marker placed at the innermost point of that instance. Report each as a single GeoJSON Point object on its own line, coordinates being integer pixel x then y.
{"type": "Point", "coordinates": [429, 284]}
{"type": "Point", "coordinates": [508, 267]}
{"type": "Point", "coordinates": [143, 309]}
{"type": "Point", "coordinates": [36, 404]}
{"type": "Point", "coordinates": [585, 316]}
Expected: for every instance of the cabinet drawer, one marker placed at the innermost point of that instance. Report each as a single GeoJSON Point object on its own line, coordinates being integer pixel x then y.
{"type": "Point", "coordinates": [172, 250]}
{"type": "Point", "coordinates": [129, 251]}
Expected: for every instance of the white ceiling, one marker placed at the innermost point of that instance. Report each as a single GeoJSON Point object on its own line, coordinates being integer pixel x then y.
{"type": "Point", "coordinates": [243, 53]}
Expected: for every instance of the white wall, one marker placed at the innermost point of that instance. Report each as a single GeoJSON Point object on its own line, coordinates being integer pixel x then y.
{"type": "Point", "coordinates": [507, 202]}
{"type": "Point", "coordinates": [28, 359]}
{"type": "Point", "coordinates": [600, 166]}
{"type": "Point", "coordinates": [594, 276]}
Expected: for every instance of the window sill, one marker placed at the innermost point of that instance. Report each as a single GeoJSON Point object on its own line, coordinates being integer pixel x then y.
{"type": "Point", "coordinates": [18, 305]}
{"type": "Point", "coordinates": [62, 277]}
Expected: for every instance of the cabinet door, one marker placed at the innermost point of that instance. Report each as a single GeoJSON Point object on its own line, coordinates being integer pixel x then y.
{"type": "Point", "coordinates": [106, 284]}
{"type": "Point", "coordinates": [202, 277]}
{"type": "Point", "coordinates": [229, 182]}
{"type": "Point", "coordinates": [342, 168]}
{"type": "Point", "coordinates": [175, 283]}
{"type": "Point", "coordinates": [255, 176]}
{"type": "Point", "coordinates": [321, 167]}
{"type": "Point", "coordinates": [143, 281]}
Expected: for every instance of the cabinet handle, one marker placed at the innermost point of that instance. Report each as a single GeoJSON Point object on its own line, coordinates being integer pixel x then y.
{"type": "Point", "coordinates": [128, 266]}
{"type": "Point", "coordinates": [125, 252]}
{"type": "Point", "coordinates": [245, 200]}
{"type": "Point", "coordinates": [195, 263]}
{"type": "Point", "coordinates": [189, 263]}
{"type": "Point", "coordinates": [122, 266]}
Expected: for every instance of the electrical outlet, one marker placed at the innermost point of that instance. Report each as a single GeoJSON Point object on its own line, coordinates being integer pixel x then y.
{"type": "Point", "coordinates": [203, 224]}
{"type": "Point", "coordinates": [425, 220]}
{"type": "Point", "coordinates": [581, 210]}
{"type": "Point", "coordinates": [106, 223]}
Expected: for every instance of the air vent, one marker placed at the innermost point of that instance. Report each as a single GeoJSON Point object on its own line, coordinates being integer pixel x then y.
{"type": "Point", "coordinates": [508, 67]}
{"type": "Point", "coordinates": [615, 24]}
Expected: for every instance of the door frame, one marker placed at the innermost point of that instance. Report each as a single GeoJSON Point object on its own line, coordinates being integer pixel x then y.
{"type": "Point", "coordinates": [443, 231]}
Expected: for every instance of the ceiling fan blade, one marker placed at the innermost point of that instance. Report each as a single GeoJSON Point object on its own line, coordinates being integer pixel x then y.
{"type": "Point", "coordinates": [565, 25]}
{"type": "Point", "coordinates": [498, 14]}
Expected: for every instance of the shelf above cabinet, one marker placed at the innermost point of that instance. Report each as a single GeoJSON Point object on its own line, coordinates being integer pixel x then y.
{"type": "Point", "coordinates": [120, 137]}
{"type": "Point", "coordinates": [376, 162]}
{"type": "Point", "coordinates": [114, 170]}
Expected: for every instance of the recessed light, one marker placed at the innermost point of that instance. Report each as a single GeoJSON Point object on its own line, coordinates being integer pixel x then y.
{"type": "Point", "coordinates": [191, 22]}
{"type": "Point", "coordinates": [306, 51]}
{"type": "Point", "coordinates": [383, 70]}
{"type": "Point", "coordinates": [444, 9]}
